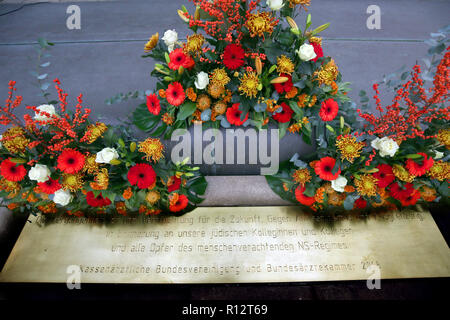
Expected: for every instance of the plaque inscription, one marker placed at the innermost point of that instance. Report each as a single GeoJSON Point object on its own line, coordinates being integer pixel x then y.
{"type": "Point", "coordinates": [230, 245]}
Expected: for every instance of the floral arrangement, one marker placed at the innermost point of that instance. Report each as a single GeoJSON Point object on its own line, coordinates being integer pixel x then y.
{"type": "Point", "coordinates": [60, 162]}
{"type": "Point", "coordinates": [396, 159]}
{"type": "Point", "coordinates": [250, 65]}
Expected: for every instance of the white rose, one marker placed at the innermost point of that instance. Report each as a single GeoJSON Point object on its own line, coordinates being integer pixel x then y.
{"type": "Point", "coordinates": [339, 184]}
{"type": "Point", "coordinates": [48, 108]}
{"type": "Point", "coordinates": [386, 146]}
{"type": "Point", "coordinates": [62, 197]}
{"type": "Point", "coordinates": [170, 38]}
{"type": "Point", "coordinates": [437, 154]}
{"type": "Point", "coordinates": [306, 52]}
{"type": "Point", "coordinates": [39, 173]}
{"type": "Point", "coordinates": [275, 4]}
{"type": "Point", "coordinates": [106, 155]}
{"type": "Point", "coordinates": [202, 80]}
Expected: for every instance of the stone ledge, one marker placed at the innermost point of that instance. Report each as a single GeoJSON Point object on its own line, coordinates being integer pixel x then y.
{"type": "Point", "coordinates": [240, 191]}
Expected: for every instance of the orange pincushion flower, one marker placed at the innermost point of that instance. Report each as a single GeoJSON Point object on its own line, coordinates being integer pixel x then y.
{"type": "Point", "coordinates": [121, 208]}
{"type": "Point", "coordinates": [203, 102]}
{"type": "Point", "coordinates": [127, 194]}
{"type": "Point", "coordinates": [440, 171]}
{"type": "Point", "coordinates": [366, 185]}
{"type": "Point", "coordinates": [349, 189]}
{"type": "Point", "coordinates": [260, 23]}
{"type": "Point", "coordinates": [349, 148]}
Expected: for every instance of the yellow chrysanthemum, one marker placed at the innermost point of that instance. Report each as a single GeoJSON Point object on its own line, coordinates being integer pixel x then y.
{"type": "Point", "coordinates": [216, 90]}
{"type": "Point", "coordinates": [327, 73]}
{"type": "Point", "coordinates": [249, 84]}
{"type": "Point", "coordinates": [90, 166]}
{"type": "Point", "coordinates": [260, 23]}
{"type": "Point", "coordinates": [101, 180]}
{"type": "Point", "coordinates": [152, 197]}
{"type": "Point", "coordinates": [402, 174]}
{"type": "Point", "coordinates": [203, 102]}
{"type": "Point", "coordinates": [366, 185]}
{"type": "Point", "coordinates": [15, 140]}
{"type": "Point", "coordinates": [336, 199]}
{"type": "Point", "coordinates": [152, 42]}
{"type": "Point", "coordinates": [317, 40]}
{"type": "Point", "coordinates": [72, 182]}
{"type": "Point", "coordinates": [9, 186]}
{"type": "Point", "coordinates": [443, 137]}
{"type": "Point", "coordinates": [96, 131]}
{"type": "Point", "coordinates": [194, 43]}
{"type": "Point", "coordinates": [285, 65]}
{"type": "Point", "coordinates": [293, 3]}
{"type": "Point", "coordinates": [301, 176]}
{"type": "Point", "coordinates": [220, 77]}
{"type": "Point", "coordinates": [220, 107]}
{"type": "Point", "coordinates": [349, 147]}
{"type": "Point", "coordinates": [440, 171]}
{"type": "Point", "coordinates": [153, 149]}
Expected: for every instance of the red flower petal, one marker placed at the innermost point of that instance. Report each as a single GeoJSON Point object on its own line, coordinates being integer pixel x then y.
{"type": "Point", "coordinates": [329, 110]}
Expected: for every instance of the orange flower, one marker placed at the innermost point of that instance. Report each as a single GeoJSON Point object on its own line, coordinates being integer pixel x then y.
{"type": "Point", "coordinates": [292, 93]}
{"type": "Point", "coordinates": [191, 94]}
{"type": "Point", "coordinates": [162, 93]}
{"type": "Point", "coordinates": [349, 189]}
{"type": "Point", "coordinates": [319, 196]}
{"type": "Point", "coordinates": [121, 208]}
{"type": "Point", "coordinates": [127, 194]}
{"type": "Point", "coordinates": [13, 206]}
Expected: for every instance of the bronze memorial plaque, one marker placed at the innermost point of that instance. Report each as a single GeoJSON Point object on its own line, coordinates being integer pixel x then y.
{"type": "Point", "coordinates": [230, 245]}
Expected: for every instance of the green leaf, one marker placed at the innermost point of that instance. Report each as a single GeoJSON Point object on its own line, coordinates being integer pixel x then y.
{"type": "Point", "coordinates": [186, 110]}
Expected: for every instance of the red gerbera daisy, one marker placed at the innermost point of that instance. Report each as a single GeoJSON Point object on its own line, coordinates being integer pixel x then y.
{"type": "Point", "coordinates": [419, 168]}
{"type": "Point", "coordinates": [179, 59]}
{"type": "Point", "coordinates": [360, 203]}
{"type": "Point", "coordinates": [98, 201]}
{"type": "Point", "coordinates": [234, 115]}
{"type": "Point", "coordinates": [70, 161]}
{"type": "Point", "coordinates": [50, 186]}
{"type": "Point", "coordinates": [284, 87]}
{"type": "Point", "coordinates": [324, 168]}
{"type": "Point", "coordinates": [153, 105]}
{"type": "Point", "coordinates": [305, 200]}
{"type": "Point", "coordinates": [398, 192]}
{"type": "Point", "coordinates": [174, 184]}
{"type": "Point", "coordinates": [411, 198]}
{"type": "Point", "coordinates": [285, 115]}
{"type": "Point", "coordinates": [11, 171]}
{"type": "Point", "coordinates": [181, 203]}
{"type": "Point", "coordinates": [385, 175]}
{"type": "Point", "coordinates": [317, 50]}
{"type": "Point", "coordinates": [190, 63]}
{"type": "Point", "coordinates": [142, 175]}
{"type": "Point", "coordinates": [233, 56]}
{"type": "Point", "coordinates": [175, 94]}
{"type": "Point", "coordinates": [329, 110]}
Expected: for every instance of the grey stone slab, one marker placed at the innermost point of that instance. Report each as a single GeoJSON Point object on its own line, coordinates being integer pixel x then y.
{"type": "Point", "coordinates": [138, 19]}
{"type": "Point", "coordinates": [240, 191]}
